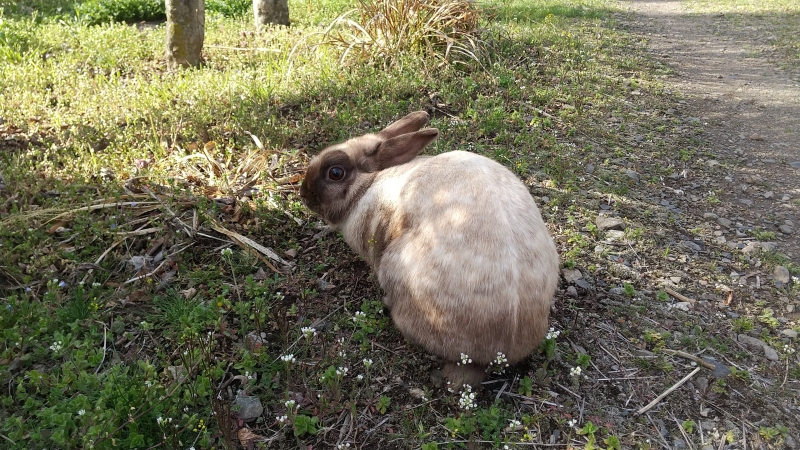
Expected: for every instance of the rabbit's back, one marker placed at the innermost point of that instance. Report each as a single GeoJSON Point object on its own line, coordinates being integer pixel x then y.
{"type": "Point", "coordinates": [463, 254]}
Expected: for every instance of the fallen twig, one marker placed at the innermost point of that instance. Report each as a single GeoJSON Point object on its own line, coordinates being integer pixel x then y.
{"type": "Point", "coordinates": [700, 361]}
{"type": "Point", "coordinates": [667, 392]}
{"type": "Point", "coordinates": [679, 296]}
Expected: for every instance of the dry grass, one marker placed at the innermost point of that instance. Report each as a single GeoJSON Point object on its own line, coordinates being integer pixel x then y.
{"type": "Point", "coordinates": [385, 30]}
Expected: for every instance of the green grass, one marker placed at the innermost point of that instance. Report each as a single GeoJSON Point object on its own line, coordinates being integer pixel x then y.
{"type": "Point", "coordinates": [100, 350]}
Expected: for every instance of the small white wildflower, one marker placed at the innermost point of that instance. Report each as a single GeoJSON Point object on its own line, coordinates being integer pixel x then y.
{"type": "Point", "coordinates": [247, 375]}
{"type": "Point", "coordinates": [81, 412]}
{"type": "Point", "coordinates": [552, 333]}
{"type": "Point", "coordinates": [289, 404]}
{"type": "Point", "coordinates": [279, 296]}
{"type": "Point", "coordinates": [148, 383]}
{"type": "Point", "coordinates": [226, 252]}
{"type": "Point", "coordinates": [572, 422]}
{"type": "Point", "coordinates": [160, 420]}
{"type": "Point", "coordinates": [367, 363]}
{"type": "Point", "coordinates": [62, 284]}
{"type": "Point", "coordinates": [514, 424]}
{"type": "Point", "coordinates": [57, 346]}
{"type": "Point", "coordinates": [465, 359]}
{"type": "Point", "coordinates": [96, 285]}
{"type": "Point", "coordinates": [788, 349]}
{"type": "Point", "coordinates": [341, 341]}
{"type": "Point", "coordinates": [282, 418]}
{"type": "Point", "coordinates": [308, 332]}
{"type": "Point", "coordinates": [341, 446]}
{"type": "Point", "coordinates": [342, 353]}
{"type": "Point", "coordinates": [360, 377]}
{"type": "Point", "coordinates": [467, 400]}
{"type": "Point", "coordinates": [341, 371]}
{"type": "Point", "coordinates": [360, 315]}
{"type": "Point", "coordinates": [288, 358]}
{"type": "Point", "coordinates": [191, 448]}
{"type": "Point", "coordinates": [575, 371]}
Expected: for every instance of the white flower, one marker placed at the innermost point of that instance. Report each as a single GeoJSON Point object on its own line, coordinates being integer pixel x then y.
{"type": "Point", "coordinates": [81, 412]}
{"type": "Point", "coordinates": [226, 252]}
{"type": "Point", "coordinates": [367, 363]}
{"type": "Point", "coordinates": [57, 346]}
{"type": "Point", "coordinates": [288, 358]}
{"type": "Point", "coordinates": [95, 285]}
{"type": "Point", "coordinates": [467, 400]}
{"type": "Point", "coordinates": [788, 349]}
{"type": "Point", "coordinates": [575, 371]}
{"type": "Point", "coordinates": [308, 332]}
{"type": "Point", "coordinates": [514, 423]}
{"type": "Point", "coordinates": [552, 333]}
{"type": "Point", "coordinates": [160, 420]}
{"type": "Point", "coordinates": [282, 418]}
{"type": "Point", "coordinates": [465, 359]}
{"type": "Point", "coordinates": [572, 422]}
{"type": "Point", "coordinates": [341, 371]}
{"type": "Point", "coordinates": [341, 446]}
{"type": "Point", "coordinates": [289, 404]}
{"type": "Point", "coordinates": [359, 377]}
{"type": "Point", "coordinates": [148, 383]}
{"type": "Point", "coordinates": [360, 315]}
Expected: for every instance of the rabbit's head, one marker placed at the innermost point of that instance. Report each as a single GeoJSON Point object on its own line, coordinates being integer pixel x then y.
{"type": "Point", "coordinates": [337, 177]}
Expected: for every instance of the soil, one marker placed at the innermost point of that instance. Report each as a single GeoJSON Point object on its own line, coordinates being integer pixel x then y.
{"type": "Point", "coordinates": [748, 105]}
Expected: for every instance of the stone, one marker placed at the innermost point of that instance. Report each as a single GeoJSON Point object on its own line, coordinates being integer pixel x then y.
{"type": "Point", "coordinates": [752, 247]}
{"type": "Point", "coordinates": [795, 164]}
{"type": "Point", "coordinates": [583, 284]}
{"type": "Point", "coordinates": [781, 274]}
{"type": "Point", "coordinates": [615, 235]}
{"type": "Point", "coordinates": [641, 353]}
{"type": "Point", "coordinates": [609, 223]}
{"type": "Point", "coordinates": [752, 342]}
{"type": "Point", "coordinates": [589, 168]}
{"type": "Point", "coordinates": [786, 229]}
{"type": "Point", "coordinates": [711, 216]}
{"type": "Point", "coordinates": [572, 292]}
{"type": "Point", "coordinates": [675, 280]}
{"type": "Point", "coordinates": [724, 222]}
{"type": "Point", "coordinates": [632, 175]}
{"type": "Point", "coordinates": [769, 194]}
{"type": "Point", "coordinates": [247, 408]}
{"type": "Point", "coordinates": [683, 306]}
{"type": "Point", "coordinates": [254, 341]}
{"type": "Point", "coordinates": [571, 275]}
{"type": "Point", "coordinates": [790, 333]}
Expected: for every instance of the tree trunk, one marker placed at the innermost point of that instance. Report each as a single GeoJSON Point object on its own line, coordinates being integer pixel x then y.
{"type": "Point", "coordinates": [186, 21]}
{"type": "Point", "coordinates": [271, 11]}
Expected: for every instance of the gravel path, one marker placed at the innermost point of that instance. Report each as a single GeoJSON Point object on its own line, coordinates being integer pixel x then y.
{"type": "Point", "coordinates": [750, 109]}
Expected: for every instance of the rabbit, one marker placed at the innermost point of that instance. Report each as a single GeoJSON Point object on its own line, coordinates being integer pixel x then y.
{"type": "Point", "coordinates": [456, 241]}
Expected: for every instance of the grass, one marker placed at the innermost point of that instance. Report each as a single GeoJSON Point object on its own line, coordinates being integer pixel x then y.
{"type": "Point", "coordinates": [134, 311]}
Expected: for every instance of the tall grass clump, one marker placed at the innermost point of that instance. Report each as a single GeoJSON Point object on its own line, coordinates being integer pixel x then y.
{"type": "Point", "coordinates": [386, 30]}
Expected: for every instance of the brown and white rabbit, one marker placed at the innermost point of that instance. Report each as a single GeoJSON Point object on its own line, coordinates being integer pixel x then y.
{"type": "Point", "coordinates": [456, 240]}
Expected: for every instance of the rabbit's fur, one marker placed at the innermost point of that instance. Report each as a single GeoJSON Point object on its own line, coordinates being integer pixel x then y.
{"type": "Point", "coordinates": [456, 241]}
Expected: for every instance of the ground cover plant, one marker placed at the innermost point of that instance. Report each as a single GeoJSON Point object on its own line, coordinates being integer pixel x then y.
{"type": "Point", "coordinates": [162, 285]}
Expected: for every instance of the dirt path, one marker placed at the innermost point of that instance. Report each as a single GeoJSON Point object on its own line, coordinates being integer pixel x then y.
{"type": "Point", "coordinates": [750, 109]}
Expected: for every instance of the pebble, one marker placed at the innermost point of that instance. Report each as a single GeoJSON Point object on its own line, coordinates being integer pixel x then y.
{"type": "Point", "coordinates": [247, 408]}
{"type": "Point", "coordinates": [781, 274]}
{"type": "Point", "coordinates": [614, 235]}
{"type": "Point", "coordinates": [632, 175]}
{"type": "Point", "coordinates": [710, 215]}
{"type": "Point", "coordinates": [589, 168]}
{"type": "Point", "coordinates": [786, 229]}
{"type": "Point", "coordinates": [572, 292]}
{"type": "Point", "coordinates": [769, 352]}
{"type": "Point", "coordinates": [769, 194]}
{"type": "Point", "coordinates": [746, 201]}
{"type": "Point", "coordinates": [724, 222]}
{"type": "Point", "coordinates": [609, 223]}
{"type": "Point", "coordinates": [571, 275]}
{"type": "Point", "coordinates": [720, 240]}
{"type": "Point", "coordinates": [790, 333]}
{"type": "Point", "coordinates": [795, 164]}
{"type": "Point", "coordinates": [675, 280]}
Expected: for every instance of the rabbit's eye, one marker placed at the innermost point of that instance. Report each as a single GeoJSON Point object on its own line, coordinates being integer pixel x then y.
{"type": "Point", "coordinates": [335, 173]}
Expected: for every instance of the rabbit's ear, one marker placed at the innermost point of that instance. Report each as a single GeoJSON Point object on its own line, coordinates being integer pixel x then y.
{"type": "Point", "coordinates": [407, 124]}
{"type": "Point", "coordinates": [402, 149]}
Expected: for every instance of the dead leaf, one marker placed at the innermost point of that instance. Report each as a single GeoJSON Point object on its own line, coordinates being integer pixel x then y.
{"type": "Point", "coordinates": [247, 437]}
